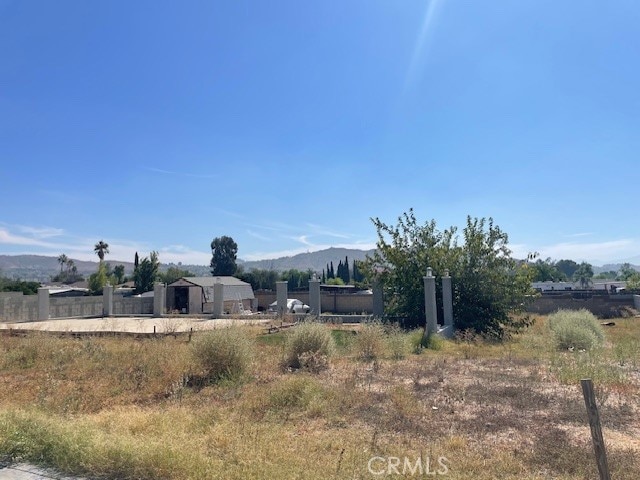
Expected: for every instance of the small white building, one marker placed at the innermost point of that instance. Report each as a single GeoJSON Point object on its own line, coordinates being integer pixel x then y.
{"type": "Point", "coordinates": [194, 295]}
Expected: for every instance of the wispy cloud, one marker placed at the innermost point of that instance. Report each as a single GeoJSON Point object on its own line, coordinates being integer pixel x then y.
{"type": "Point", "coordinates": [576, 235]}
{"type": "Point", "coordinates": [259, 236]}
{"type": "Point", "coordinates": [8, 238]}
{"type": "Point", "coordinates": [41, 232]}
{"type": "Point", "coordinates": [180, 174]}
{"type": "Point", "coordinates": [54, 241]}
{"type": "Point", "coordinates": [320, 230]}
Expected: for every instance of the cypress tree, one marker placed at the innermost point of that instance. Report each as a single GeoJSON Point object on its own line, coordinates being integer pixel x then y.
{"type": "Point", "coordinates": [346, 277]}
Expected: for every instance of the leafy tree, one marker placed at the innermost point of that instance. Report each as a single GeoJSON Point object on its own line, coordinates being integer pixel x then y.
{"type": "Point", "coordinates": [332, 273]}
{"type": "Point", "coordinates": [136, 261]}
{"type": "Point", "coordinates": [488, 285]}
{"type": "Point", "coordinates": [224, 252]}
{"type": "Point", "coordinates": [27, 288]}
{"type": "Point", "coordinates": [101, 249]}
{"type": "Point", "coordinates": [118, 273]}
{"type": "Point", "coordinates": [547, 271]}
{"type": "Point", "coordinates": [297, 280]}
{"type": "Point", "coordinates": [626, 271]}
{"type": "Point", "coordinates": [610, 275]}
{"type": "Point", "coordinates": [633, 282]}
{"type": "Point", "coordinates": [335, 281]}
{"type": "Point", "coordinates": [172, 274]}
{"type": "Point", "coordinates": [146, 274]}
{"type": "Point", "coordinates": [259, 279]}
{"type": "Point", "coordinates": [568, 267]}
{"type": "Point", "coordinates": [98, 280]}
{"type": "Point", "coordinates": [583, 274]}
{"type": "Point", "coordinates": [324, 278]}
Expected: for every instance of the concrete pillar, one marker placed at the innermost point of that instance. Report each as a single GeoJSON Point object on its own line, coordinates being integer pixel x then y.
{"type": "Point", "coordinates": [218, 299]}
{"type": "Point", "coordinates": [447, 305]}
{"type": "Point", "coordinates": [159, 299]}
{"type": "Point", "coordinates": [430, 307]}
{"type": "Point", "coordinates": [281, 297]}
{"type": "Point", "coordinates": [378, 300]}
{"type": "Point", "coordinates": [43, 304]}
{"type": "Point", "coordinates": [107, 300]}
{"type": "Point", "coordinates": [314, 296]}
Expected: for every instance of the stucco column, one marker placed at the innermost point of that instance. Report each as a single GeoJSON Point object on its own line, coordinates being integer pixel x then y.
{"type": "Point", "coordinates": [159, 299]}
{"type": "Point", "coordinates": [43, 304]}
{"type": "Point", "coordinates": [314, 296]}
{"type": "Point", "coordinates": [430, 307]}
{"type": "Point", "coordinates": [107, 300]}
{"type": "Point", "coordinates": [447, 304]}
{"type": "Point", "coordinates": [218, 299]}
{"type": "Point", "coordinates": [378, 299]}
{"type": "Point", "coordinates": [281, 297]}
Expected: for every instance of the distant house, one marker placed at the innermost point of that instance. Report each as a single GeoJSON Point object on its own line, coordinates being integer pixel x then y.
{"type": "Point", "coordinates": [195, 295]}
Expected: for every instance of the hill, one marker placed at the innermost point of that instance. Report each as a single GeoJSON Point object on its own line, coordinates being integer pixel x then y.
{"type": "Point", "coordinates": [315, 261]}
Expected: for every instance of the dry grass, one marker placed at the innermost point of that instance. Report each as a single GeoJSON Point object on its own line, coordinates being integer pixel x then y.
{"type": "Point", "coordinates": [121, 408]}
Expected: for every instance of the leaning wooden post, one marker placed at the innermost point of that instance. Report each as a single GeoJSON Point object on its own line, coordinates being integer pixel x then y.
{"type": "Point", "coordinates": [596, 430]}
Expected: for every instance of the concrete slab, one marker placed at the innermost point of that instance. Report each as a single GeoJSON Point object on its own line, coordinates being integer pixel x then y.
{"type": "Point", "coordinates": [24, 471]}
{"type": "Point", "coordinates": [133, 324]}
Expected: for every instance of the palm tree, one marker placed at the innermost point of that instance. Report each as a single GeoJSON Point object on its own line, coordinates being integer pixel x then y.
{"type": "Point", "coordinates": [62, 260]}
{"type": "Point", "coordinates": [70, 265]}
{"type": "Point", "coordinates": [101, 248]}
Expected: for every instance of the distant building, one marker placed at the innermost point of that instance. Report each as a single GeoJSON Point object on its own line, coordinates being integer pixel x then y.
{"type": "Point", "coordinates": [194, 295]}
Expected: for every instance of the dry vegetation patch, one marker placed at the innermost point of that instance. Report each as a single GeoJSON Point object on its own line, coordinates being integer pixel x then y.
{"type": "Point", "coordinates": [123, 408]}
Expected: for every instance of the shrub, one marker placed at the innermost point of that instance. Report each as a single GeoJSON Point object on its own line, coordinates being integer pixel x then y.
{"type": "Point", "coordinates": [398, 343]}
{"type": "Point", "coordinates": [576, 330]}
{"type": "Point", "coordinates": [309, 345]}
{"type": "Point", "coordinates": [225, 353]}
{"type": "Point", "coordinates": [370, 342]}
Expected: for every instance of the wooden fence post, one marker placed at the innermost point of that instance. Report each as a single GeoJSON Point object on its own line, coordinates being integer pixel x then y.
{"type": "Point", "coordinates": [596, 430]}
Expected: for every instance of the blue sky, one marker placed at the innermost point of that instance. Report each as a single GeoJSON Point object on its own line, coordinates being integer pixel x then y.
{"type": "Point", "coordinates": [287, 125]}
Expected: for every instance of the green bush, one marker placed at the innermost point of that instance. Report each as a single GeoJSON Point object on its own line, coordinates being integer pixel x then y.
{"type": "Point", "coordinates": [578, 330]}
{"type": "Point", "coordinates": [309, 346]}
{"type": "Point", "coordinates": [225, 353]}
{"type": "Point", "coordinates": [370, 343]}
{"type": "Point", "coordinates": [398, 342]}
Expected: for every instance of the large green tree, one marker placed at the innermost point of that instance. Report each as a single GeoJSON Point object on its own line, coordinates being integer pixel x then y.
{"type": "Point", "coordinates": [172, 274]}
{"type": "Point", "coordinates": [568, 267]}
{"type": "Point", "coordinates": [224, 251]}
{"type": "Point", "coordinates": [146, 274]}
{"type": "Point", "coordinates": [488, 285]}
{"type": "Point", "coordinates": [583, 274]}
{"type": "Point", "coordinates": [547, 271]}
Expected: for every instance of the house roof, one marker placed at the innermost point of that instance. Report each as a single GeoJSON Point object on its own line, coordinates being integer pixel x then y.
{"type": "Point", "coordinates": [234, 288]}
{"type": "Point", "coordinates": [227, 281]}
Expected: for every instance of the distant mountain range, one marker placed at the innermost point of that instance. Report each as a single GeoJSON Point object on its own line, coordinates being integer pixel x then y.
{"type": "Point", "coordinates": [315, 261]}
{"type": "Point", "coordinates": [41, 268]}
